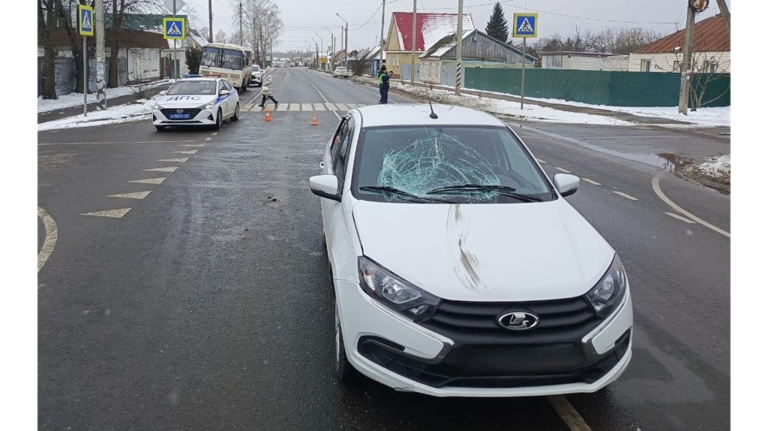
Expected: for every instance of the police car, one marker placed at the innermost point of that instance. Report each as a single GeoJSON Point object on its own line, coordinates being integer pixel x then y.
{"type": "Point", "coordinates": [197, 101]}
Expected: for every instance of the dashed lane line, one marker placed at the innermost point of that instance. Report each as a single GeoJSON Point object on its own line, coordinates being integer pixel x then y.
{"type": "Point", "coordinates": [194, 145]}
{"type": "Point", "coordinates": [563, 170]}
{"type": "Point", "coordinates": [186, 152]}
{"type": "Point", "coordinates": [592, 181]}
{"type": "Point", "coordinates": [624, 195]}
{"type": "Point", "coordinates": [679, 217]}
{"type": "Point", "coordinates": [168, 169]}
{"type": "Point", "coordinates": [181, 160]}
{"type": "Point", "coordinates": [541, 161]}
{"type": "Point", "coordinates": [207, 139]}
{"type": "Point", "coordinates": [149, 181]}
{"type": "Point", "coordinates": [570, 416]}
{"type": "Point", "coordinates": [118, 213]}
{"type": "Point", "coordinates": [134, 195]}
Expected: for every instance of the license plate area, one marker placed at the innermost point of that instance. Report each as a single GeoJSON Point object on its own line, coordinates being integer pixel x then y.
{"type": "Point", "coordinates": [179, 116]}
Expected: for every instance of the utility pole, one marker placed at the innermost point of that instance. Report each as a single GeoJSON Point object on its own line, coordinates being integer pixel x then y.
{"type": "Point", "coordinates": [210, 21]}
{"type": "Point", "coordinates": [101, 85]}
{"type": "Point", "coordinates": [725, 13]}
{"type": "Point", "coordinates": [459, 37]}
{"type": "Point", "coordinates": [381, 47]}
{"type": "Point", "coordinates": [241, 22]}
{"type": "Point", "coordinates": [346, 44]}
{"type": "Point", "coordinates": [413, 43]}
{"type": "Point", "coordinates": [685, 75]}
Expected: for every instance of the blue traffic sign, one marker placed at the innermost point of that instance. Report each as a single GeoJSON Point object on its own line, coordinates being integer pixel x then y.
{"type": "Point", "coordinates": [526, 25]}
{"type": "Point", "coordinates": [85, 21]}
{"type": "Point", "coordinates": [174, 28]}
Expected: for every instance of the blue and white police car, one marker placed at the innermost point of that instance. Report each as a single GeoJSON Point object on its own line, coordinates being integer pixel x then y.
{"type": "Point", "coordinates": [198, 101]}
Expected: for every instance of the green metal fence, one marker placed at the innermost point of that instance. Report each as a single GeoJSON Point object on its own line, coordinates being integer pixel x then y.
{"type": "Point", "coordinates": [600, 87]}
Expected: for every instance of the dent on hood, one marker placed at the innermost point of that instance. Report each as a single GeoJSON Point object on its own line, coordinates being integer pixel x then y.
{"type": "Point", "coordinates": [465, 263]}
{"type": "Point", "coordinates": [437, 160]}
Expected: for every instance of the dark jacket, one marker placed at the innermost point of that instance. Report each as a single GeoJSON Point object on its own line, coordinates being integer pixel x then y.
{"type": "Point", "coordinates": [384, 80]}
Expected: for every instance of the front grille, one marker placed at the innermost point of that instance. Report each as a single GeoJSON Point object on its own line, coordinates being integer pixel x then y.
{"type": "Point", "coordinates": [560, 321]}
{"type": "Point", "coordinates": [482, 368]}
{"type": "Point", "coordinates": [192, 112]}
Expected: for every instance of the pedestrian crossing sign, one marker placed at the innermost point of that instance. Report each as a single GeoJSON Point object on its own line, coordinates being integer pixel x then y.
{"type": "Point", "coordinates": [174, 28]}
{"type": "Point", "coordinates": [85, 21]}
{"type": "Point", "coordinates": [526, 25]}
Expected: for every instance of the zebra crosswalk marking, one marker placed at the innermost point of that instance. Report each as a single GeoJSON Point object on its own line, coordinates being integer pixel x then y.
{"type": "Point", "coordinates": [282, 107]}
{"type": "Point", "coordinates": [319, 107]}
{"type": "Point", "coordinates": [295, 107]}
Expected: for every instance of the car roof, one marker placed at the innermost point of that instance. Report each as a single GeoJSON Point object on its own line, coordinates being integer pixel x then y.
{"type": "Point", "coordinates": [418, 115]}
{"type": "Point", "coordinates": [200, 78]}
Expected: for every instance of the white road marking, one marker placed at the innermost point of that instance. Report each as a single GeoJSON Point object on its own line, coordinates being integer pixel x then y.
{"type": "Point", "coordinates": [149, 181]}
{"type": "Point", "coordinates": [134, 195]}
{"type": "Point", "coordinates": [51, 236]}
{"type": "Point", "coordinates": [283, 107]}
{"type": "Point", "coordinates": [679, 217]}
{"type": "Point", "coordinates": [541, 161]}
{"type": "Point", "coordinates": [193, 145]}
{"type": "Point", "coordinates": [563, 170]}
{"type": "Point", "coordinates": [342, 107]}
{"type": "Point", "coordinates": [676, 207]}
{"type": "Point", "coordinates": [319, 107]}
{"type": "Point", "coordinates": [181, 160]}
{"type": "Point", "coordinates": [592, 181]}
{"type": "Point", "coordinates": [208, 139]}
{"type": "Point", "coordinates": [248, 106]}
{"type": "Point", "coordinates": [186, 152]}
{"type": "Point", "coordinates": [295, 107]}
{"type": "Point", "coordinates": [330, 106]}
{"type": "Point", "coordinates": [168, 169]}
{"type": "Point", "coordinates": [624, 195]}
{"type": "Point", "coordinates": [321, 95]}
{"type": "Point", "coordinates": [115, 143]}
{"type": "Point", "coordinates": [118, 213]}
{"type": "Point", "coordinates": [570, 416]}
{"type": "Point", "coordinates": [214, 133]}
{"type": "Point", "coordinates": [306, 106]}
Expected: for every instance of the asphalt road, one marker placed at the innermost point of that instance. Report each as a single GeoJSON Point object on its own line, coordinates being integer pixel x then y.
{"type": "Point", "coordinates": [207, 304]}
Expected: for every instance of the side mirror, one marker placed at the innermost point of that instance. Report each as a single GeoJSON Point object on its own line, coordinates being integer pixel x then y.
{"type": "Point", "coordinates": [566, 184]}
{"type": "Point", "coordinates": [162, 93]}
{"type": "Point", "coordinates": [224, 92]}
{"type": "Point", "coordinates": [325, 186]}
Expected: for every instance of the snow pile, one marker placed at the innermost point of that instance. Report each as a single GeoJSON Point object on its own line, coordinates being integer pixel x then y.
{"type": "Point", "coordinates": [715, 168]}
{"type": "Point", "coordinates": [76, 99]}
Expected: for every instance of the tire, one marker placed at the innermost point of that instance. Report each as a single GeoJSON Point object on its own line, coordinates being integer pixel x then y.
{"type": "Point", "coordinates": [344, 370]}
{"type": "Point", "coordinates": [160, 128]}
{"type": "Point", "coordinates": [244, 87]}
{"type": "Point", "coordinates": [219, 120]}
{"type": "Point", "coordinates": [236, 115]}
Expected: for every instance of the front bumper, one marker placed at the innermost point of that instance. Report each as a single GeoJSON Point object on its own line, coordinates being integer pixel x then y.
{"type": "Point", "coordinates": [194, 117]}
{"type": "Point", "coordinates": [409, 357]}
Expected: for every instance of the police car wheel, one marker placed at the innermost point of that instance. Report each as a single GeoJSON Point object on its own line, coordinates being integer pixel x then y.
{"type": "Point", "coordinates": [218, 120]}
{"type": "Point", "coordinates": [236, 115]}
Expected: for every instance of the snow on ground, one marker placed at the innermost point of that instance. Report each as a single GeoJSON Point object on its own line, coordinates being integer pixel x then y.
{"type": "Point", "coordinates": [76, 99]}
{"type": "Point", "coordinates": [141, 110]}
{"type": "Point", "coordinates": [717, 168]}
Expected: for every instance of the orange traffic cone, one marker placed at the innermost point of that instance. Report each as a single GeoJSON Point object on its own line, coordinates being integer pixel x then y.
{"type": "Point", "coordinates": [267, 117]}
{"type": "Point", "coordinates": [314, 120]}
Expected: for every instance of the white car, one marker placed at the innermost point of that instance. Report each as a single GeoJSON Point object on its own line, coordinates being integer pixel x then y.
{"type": "Point", "coordinates": [197, 102]}
{"type": "Point", "coordinates": [458, 267]}
{"type": "Point", "coordinates": [256, 75]}
{"type": "Point", "coordinates": [341, 72]}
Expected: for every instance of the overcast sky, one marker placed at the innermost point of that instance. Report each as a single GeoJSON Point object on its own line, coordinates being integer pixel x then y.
{"type": "Point", "coordinates": [303, 18]}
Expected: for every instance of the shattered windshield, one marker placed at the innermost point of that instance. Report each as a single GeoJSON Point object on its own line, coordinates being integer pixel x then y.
{"type": "Point", "coordinates": [456, 164]}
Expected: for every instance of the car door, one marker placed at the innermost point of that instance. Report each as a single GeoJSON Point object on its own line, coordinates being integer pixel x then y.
{"type": "Point", "coordinates": [334, 163]}
{"type": "Point", "coordinates": [229, 99]}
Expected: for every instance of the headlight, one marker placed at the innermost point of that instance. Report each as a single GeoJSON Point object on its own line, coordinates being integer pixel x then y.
{"type": "Point", "coordinates": [610, 290]}
{"type": "Point", "coordinates": [157, 106]}
{"type": "Point", "coordinates": [208, 105]}
{"type": "Point", "coordinates": [396, 293]}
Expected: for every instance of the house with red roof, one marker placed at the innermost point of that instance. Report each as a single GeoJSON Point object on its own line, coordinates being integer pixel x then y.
{"type": "Point", "coordinates": [430, 28]}
{"type": "Point", "coordinates": [711, 50]}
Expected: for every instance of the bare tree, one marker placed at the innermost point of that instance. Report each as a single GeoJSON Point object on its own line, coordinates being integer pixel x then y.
{"type": "Point", "coordinates": [263, 26]}
{"type": "Point", "coordinates": [616, 41]}
{"type": "Point", "coordinates": [46, 26]}
{"type": "Point", "coordinates": [705, 69]}
{"type": "Point", "coordinates": [116, 13]}
{"type": "Point", "coordinates": [220, 37]}
{"type": "Point", "coordinates": [67, 13]}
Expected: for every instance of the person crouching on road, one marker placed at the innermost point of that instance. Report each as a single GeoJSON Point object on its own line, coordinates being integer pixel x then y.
{"type": "Point", "coordinates": [266, 91]}
{"type": "Point", "coordinates": [384, 85]}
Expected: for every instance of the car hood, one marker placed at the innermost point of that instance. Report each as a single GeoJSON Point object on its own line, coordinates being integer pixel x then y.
{"type": "Point", "coordinates": [486, 252]}
{"type": "Point", "coordinates": [178, 101]}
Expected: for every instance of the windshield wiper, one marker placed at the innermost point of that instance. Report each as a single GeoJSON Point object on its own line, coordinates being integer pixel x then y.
{"type": "Point", "coordinates": [503, 190]}
{"type": "Point", "coordinates": [398, 192]}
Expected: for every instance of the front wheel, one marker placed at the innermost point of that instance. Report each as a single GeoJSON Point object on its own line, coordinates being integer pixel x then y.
{"type": "Point", "coordinates": [219, 120]}
{"type": "Point", "coordinates": [344, 370]}
{"type": "Point", "coordinates": [236, 115]}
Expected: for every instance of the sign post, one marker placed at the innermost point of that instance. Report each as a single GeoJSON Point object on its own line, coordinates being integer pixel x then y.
{"type": "Point", "coordinates": [85, 28]}
{"type": "Point", "coordinates": [174, 6]}
{"type": "Point", "coordinates": [174, 28]}
{"type": "Point", "coordinates": [526, 25]}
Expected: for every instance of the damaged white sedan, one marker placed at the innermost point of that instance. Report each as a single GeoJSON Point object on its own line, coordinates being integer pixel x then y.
{"type": "Point", "coordinates": [458, 268]}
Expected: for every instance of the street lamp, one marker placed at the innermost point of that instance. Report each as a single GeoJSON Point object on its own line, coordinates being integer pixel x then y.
{"type": "Point", "coordinates": [321, 45]}
{"type": "Point", "coordinates": [333, 48]}
{"type": "Point", "coordinates": [346, 39]}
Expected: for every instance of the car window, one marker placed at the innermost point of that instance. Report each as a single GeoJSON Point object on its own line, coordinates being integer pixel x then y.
{"type": "Point", "coordinates": [419, 159]}
{"type": "Point", "coordinates": [227, 85]}
{"type": "Point", "coordinates": [340, 160]}
{"type": "Point", "coordinates": [192, 88]}
{"type": "Point", "coordinates": [337, 139]}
